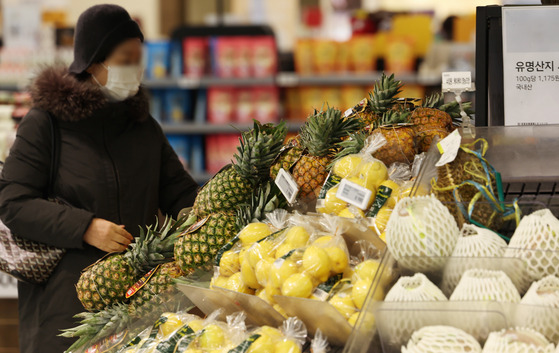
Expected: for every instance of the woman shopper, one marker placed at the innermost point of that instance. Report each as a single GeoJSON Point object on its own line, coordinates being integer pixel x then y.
{"type": "Point", "coordinates": [116, 168]}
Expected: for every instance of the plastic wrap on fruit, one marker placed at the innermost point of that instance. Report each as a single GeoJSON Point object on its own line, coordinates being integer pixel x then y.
{"type": "Point", "coordinates": [211, 335]}
{"type": "Point", "coordinates": [319, 343]}
{"type": "Point", "coordinates": [278, 219]}
{"type": "Point", "coordinates": [516, 340]}
{"type": "Point", "coordinates": [362, 170]}
{"type": "Point", "coordinates": [294, 336]}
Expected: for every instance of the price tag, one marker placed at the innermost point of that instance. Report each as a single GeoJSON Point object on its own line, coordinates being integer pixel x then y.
{"type": "Point", "coordinates": [287, 80]}
{"type": "Point", "coordinates": [354, 194]}
{"type": "Point", "coordinates": [348, 112]}
{"type": "Point", "coordinates": [457, 81]}
{"type": "Point", "coordinates": [449, 147]}
{"type": "Point", "coordinates": [287, 185]}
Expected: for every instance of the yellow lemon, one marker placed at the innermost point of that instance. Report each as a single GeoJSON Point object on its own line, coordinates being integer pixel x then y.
{"type": "Point", "coordinates": [297, 236]}
{"type": "Point", "coordinates": [262, 270]}
{"type": "Point", "coordinates": [368, 269]}
{"type": "Point", "coordinates": [254, 232]}
{"type": "Point", "coordinates": [316, 263]}
{"type": "Point", "coordinates": [352, 212]}
{"type": "Point", "coordinates": [271, 332]}
{"type": "Point", "coordinates": [297, 285]}
{"type": "Point", "coordinates": [212, 337]}
{"type": "Point", "coordinates": [344, 304]}
{"type": "Point", "coordinates": [262, 344]}
{"type": "Point", "coordinates": [353, 319]}
{"type": "Point", "coordinates": [383, 236]}
{"type": "Point", "coordinates": [172, 324]}
{"type": "Point", "coordinates": [332, 204]}
{"type": "Point", "coordinates": [361, 289]}
{"type": "Point", "coordinates": [339, 260]}
{"type": "Point", "coordinates": [236, 283]}
{"type": "Point", "coordinates": [281, 270]}
{"type": "Point", "coordinates": [323, 240]}
{"type": "Point", "coordinates": [196, 325]}
{"type": "Point", "coordinates": [229, 263]}
{"type": "Point", "coordinates": [263, 294]}
{"type": "Point", "coordinates": [284, 249]}
{"type": "Point", "coordinates": [259, 251]}
{"type": "Point", "coordinates": [374, 173]}
{"type": "Point", "coordinates": [347, 165]}
{"type": "Point", "coordinates": [287, 346]}
{"type": "Point", "coordinates": [219, 281]}
{"type": "Point", "coordinates": [248, 276]}
{"type": "Point", "coordinates": [382, 218]}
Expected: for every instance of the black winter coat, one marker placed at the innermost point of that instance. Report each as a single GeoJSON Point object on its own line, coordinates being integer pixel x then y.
{"type": "Point", "coordinates": [115, 164]}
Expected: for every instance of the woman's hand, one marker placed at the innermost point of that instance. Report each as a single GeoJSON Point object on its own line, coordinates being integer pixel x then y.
{"type": "Point", "coordinates": [107, 236]}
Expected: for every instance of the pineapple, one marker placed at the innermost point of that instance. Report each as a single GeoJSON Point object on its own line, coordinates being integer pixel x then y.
{"type": "Point", "coordinates": [156, 291]}
{"type": "Point", "coordinates": [233, 185]}
{"type": "Point", "coordinates": [289, 155]}
{"type": "Point", "coordinates": [431, 122]}
{"type": "Point", "coordinates": [106, 282]}
{"type": "Point", "coordinates": [380, 100]}
{"type": "Point", "coordinates": [198, 249]}
{"type": "Point", "coordinates": [400, 138]}
{"type": "Point", "coordinates": [320, 136]}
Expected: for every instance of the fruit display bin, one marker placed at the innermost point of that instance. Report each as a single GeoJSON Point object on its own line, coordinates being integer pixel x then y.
{"type": "Point", "coordinates": [387, 326]}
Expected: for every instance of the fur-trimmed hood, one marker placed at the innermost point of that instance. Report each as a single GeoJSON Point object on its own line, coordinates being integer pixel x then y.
{"type": "Point", "coordinates": [69, 99]}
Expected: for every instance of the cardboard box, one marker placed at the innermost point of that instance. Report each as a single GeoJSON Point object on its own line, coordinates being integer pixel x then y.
{"type": "Point", "coordinates": [196, 56]}
{"type": "Point", "coordinates": [221, 105]}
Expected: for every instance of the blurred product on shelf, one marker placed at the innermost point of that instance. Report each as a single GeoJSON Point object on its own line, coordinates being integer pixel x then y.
{"type": "Point", "coordinates": [219, 149]}
{"type": "Point", "coordinates": [227, 105]}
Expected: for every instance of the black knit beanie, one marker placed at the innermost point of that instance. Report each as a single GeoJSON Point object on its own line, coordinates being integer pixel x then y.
{"type": "Point", "coordinates": [98, 31]}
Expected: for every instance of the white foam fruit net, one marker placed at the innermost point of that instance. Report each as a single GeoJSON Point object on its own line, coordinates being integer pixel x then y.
{"type": "Point", "coordinates": [416, 288]}
{"type": "Point", "coordinates": [541, 309]}
{"type": "Point", "coordinates": [443, 339]}
{"type": "Point", "coordinates": [536, 241]}
{"type": "Point", "coordinates": [421, 233]}
{"type": "Point", "coordinates": [473, 242]}
{"type": "Point", "coordinates": [519, 340]}
{"type": "Point", "coordinates": [485, 285]}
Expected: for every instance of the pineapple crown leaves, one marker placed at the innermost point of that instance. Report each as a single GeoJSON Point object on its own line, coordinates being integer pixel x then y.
{"type": "Point", "coordinates": [436, 101]}
{"type": "Point", "coordinates": [384, 93]}
{"type": "Point", "coordinates": [265, 199]}
{"type": "Point", "coordinates": [393, 117]}
{"type": "Point", "coordinates": [325, 130]}
{"type": "Point", "coordinates": [153, 246]}
{"type": "Point", "coordinates": [258, 149]}
{"type": "Point", "coordinates": [353, 145]}
{"type": "Point", "coordinates": [96, 326]}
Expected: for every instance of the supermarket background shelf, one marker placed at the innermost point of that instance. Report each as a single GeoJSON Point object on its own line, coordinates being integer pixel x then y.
{"type": "Point", "coordinates": [206, 129]}
{"type": "Point", "coordinates": [286, 79]}
{"type": "Point", "coordinates": [201, 178]}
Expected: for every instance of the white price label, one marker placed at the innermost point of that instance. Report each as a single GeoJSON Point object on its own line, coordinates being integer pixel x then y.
{"type": "Point", "coordinates": [287, 185]}
{"type": "Point", "coordinates": [457, 81]}
{"type": "Point", "coordinates": [448, 147]}
{"type": "Point", "coordinates": [348, 112]}
{"type": "Point", "coordinates": [287, 80]}
{"type": "Point", "coordinates": [354, 194]}
{"type": "Point", "coordinates": [188, 82]}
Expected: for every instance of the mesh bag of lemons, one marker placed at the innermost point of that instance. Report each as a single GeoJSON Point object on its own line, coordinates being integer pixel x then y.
{"type": "Point", "coordinates": [299, 260]}
{"type": "Point", "coordinates": [380, 187]}
{"type": "Point", "coordinates": [180, 332]}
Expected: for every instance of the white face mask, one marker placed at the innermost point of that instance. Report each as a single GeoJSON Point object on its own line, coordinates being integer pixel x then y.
{"type": "Point", "coordinates": [122, 81]}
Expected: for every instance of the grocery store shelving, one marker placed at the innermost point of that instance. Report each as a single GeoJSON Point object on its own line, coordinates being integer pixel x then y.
{"type": "Point", "coordinates": [286, 79]}
{"type": "Point", "coordinates": [207, 129]}
{"type": "Point", "coordinates": [201, 178]}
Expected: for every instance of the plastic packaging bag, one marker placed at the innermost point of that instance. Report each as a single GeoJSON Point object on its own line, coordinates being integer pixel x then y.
{"type": "Point", "coordinates": [319, 343]}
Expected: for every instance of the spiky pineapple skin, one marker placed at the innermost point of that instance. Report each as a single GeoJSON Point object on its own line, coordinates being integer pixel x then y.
{"type": "Point", "coordinates": [225, 191]}
{"type": "Point", "coordinates": [105, 283]}
{"type": "Point", "coordinates": [156, 291]}
{"type": "Point", "coordinates": [310, 173]}
{"type": "Point", "coordinates": [287, 158]}
{"type": "Point", "coordinates": [197, 249]}
{"type": "Point", "coordinates": [399, 147]}
{"type": "Point", "coordinates": [431, 116]}
{"type": "Point", "coordinates": [426, 134]}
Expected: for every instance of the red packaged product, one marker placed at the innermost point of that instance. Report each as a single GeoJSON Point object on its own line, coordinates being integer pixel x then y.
{"type": "Point", "coordinates": [221, 105]}
{"type": "Point", "coordinates": [243, 57]}
{"type": "Point", "coordinates": [266, 104]}
{"type": "Point", "coordinates": [264, 56]}
{"type": "Point", "coordinates": [196, 50]}
{"type": "Point", "coordinates": [225, 56]}
{"type": "Point", "coordinates": [245, 105]}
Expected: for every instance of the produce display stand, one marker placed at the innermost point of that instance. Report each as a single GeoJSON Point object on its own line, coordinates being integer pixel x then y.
{"type": "Point", "coordinates": [529, 165]}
